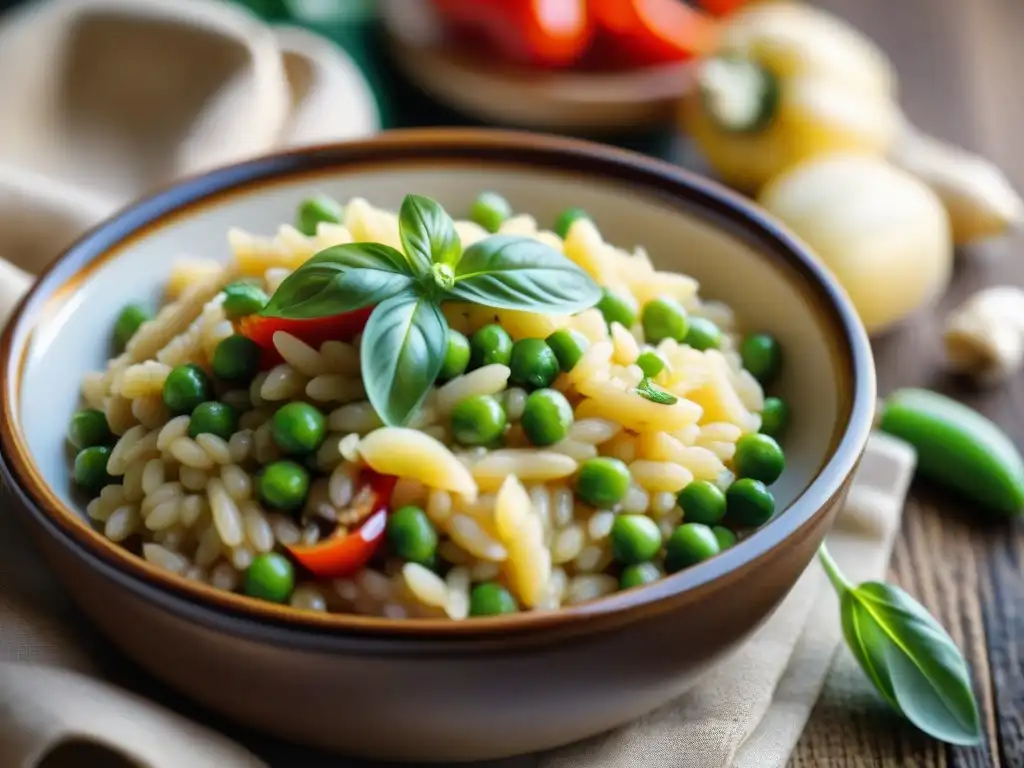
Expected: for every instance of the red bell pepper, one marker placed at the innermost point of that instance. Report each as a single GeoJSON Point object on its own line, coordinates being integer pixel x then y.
{"type": "Point", "coordinates": [651, 32]}
{"type": "Point", "coordinates": [314, 332]}
{"type": "Point", "coordinates": [540, 33]}
{"type": "Point", "coordinates": [345, 554]}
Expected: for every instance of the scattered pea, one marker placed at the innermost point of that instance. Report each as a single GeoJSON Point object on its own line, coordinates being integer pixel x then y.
{"type": "Point", "coordinates": [749, 502]}
{"type": "Point", "coordinates": [213, 418]}
{"type": "Point", "coordinates": [491, 599]}
{"type": "Point", "coordinates": [567, 218]}
{"type": "Point", "coordinates": [298, 428]}
{"type": "Point", "coordinates": [88, 428]}
{"type": "Point", "coordinates": [638, 574]}
{"type": "Point", "coordinates": [128, 322]}
{"type": "Point", "coordinates": [456, 356]}
{"type": "Point", "coordinates": [236, 359]}
{"type": "Point", "coordinates": [185, 387]}
{"type": "Point", "coordinates": [533, 364]}
{"type": "Point", "coordinates": [243, 299]}
{"type": "Point", "coordinates": [411, 535]}
{"type": "Point", "coordinates": [314, 210]}
{"type": "Point", "coordinates": [602, 482]}
{"type": "Point", "coordinates": [568, 346]}
{"type": "Point", "coordinates": [664, 318]}
{"type": "Point", "coordinates": [651, 363]}
{"type": "Point", "coordinates": [90, 470]}
{"type": "Point", "coordinates": [702, 502]}
{"type": "Point", "coordinates": [760, 457]}
{"type": "Point", "coordinates": [478, 420]}
{"type": "Point", "coordinates": [617, 308]}
{"type": "Point", "coordinates": [490, 211]}
{"type": "Point", "coordinates": [491, 344]}
{"type": "Point", "coordinates": [726, 538]}
{"type": "Point", "coordinates": [703, 334]}
{"type": "Point", "coordinates": [271, 577]}
{"type": "Point", "coordinates": [688, 545]}
{"type": "Point", "coordinates": [762, 356]}
{"type": "Point", "coordinates": [774, 416]}
{"type": "Point", "coordinates": [547, 417]}
{"type": "Point", "coordinates": [284, 485]}
{"type": "Point", "coordinates": [634, 539]}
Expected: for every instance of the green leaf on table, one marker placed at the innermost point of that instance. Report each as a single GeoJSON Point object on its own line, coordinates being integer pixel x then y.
{"type": "Point", "coordinates": [510, 272]}
{"type": "Point", "coordinates": [650, 391]}
{"type": "Point", "coordinates": [428, 234]}
{"type": "Point", "coordinates": [341, 279]}
{"type": "Point", "coordinates": [402, 351]}
{"type": "Point", "coordinates": [912, 661]}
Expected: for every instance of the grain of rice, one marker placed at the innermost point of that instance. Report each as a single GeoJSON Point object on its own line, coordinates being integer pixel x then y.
{"type": "Point", "coordinates": [425, 585]}
{"type": "Point", "coordinates": [588, 558]}
{"type": "Point", "coordinates": [215, 447]}
{"type": "Point", "coordinates": [226, 517]}
{"type": "Point", "coordinates": [253, 420]}
{"type": "Point", "coordinates": [283, 383]}
{"type": "Point", "coordinates": [94, 390]}
{"type": "Point", "coordinates": [528, 465]}
{"type": "Point", "coordinates": [723, 432]}
{"type": "Point", "coordinates": [346, 589]}
{"type": "Point", "coordinates": [482, 570]}
{"type": "Point", "coordinates": [467, 533]}
{"type": "Point", "coordinates": [171, 431]}
{"type": "Point", "coordinates": [255, 388]}
{"type": "Point", "coordinates": [123, 452]}
{"type": "Point", "coordinates": [192, 508]}
{"type": "Point", "coordinates": [240, 446]}
{"type": "Point", "coordinates": [594, 431]}
{"type": "Point", "coordinates": [143, 379]}
{"type": "Point", "coordinates": [354, 417]}
{"type": "Point", "coordinates": [209, 548]}
{"type": "Point", "coordinates": [122, 523]}
{"type": "Point", "coordinates": [439, 506]}
{"type": "Point", "coordinates": [375, 584]}
{"type": "Point", "coordinates": [264, 448]}
{"type": "Point", "coordinates": [562, 503]}
{"type": "Point", "coordinates": [164, 515]}
{"type": "Point", "coordinates": [224, 576]}
{"type": "Point", "coordinates": [194, 573]}
{"type": "Point", "coordinates": [118, 411]}
{"type": "Point", "coordinates": [486, 380]}
{"type": "Point", "coordinates": [242, 557]}
{"type": "Point", "coordinates": [188, 452]}
{"type": "Point", "coordinates": [341, 486]}
{"type": "Point", "coordinates": [310, 534]}
{"type": "Point", "coordinates": [299, 355]}
{"type": "Point", "coordinates": [112, 495]}
{"type": "Point", "coordinates": [655, 476]}
{"type": "Point", "coordinates": [132, 482]}
{"type": "Point", "coordinates": [590, 587]}
{"type": "Point", "coordinates": [574, 449]}
{"type": "Point", "coordinates": [308, 598]}
{"type": "Point", "coordinates": [285, 531]}
{"type": "Point", "coordinates": [568, 544]}
{"type": "Point", "coordinates": [164, 558]}
{"type": "Point", "coordinates": [662, 502]}
{"type": "Point", "coordinates": [637, 500]}
{"type": "Point", "coordinates": [150, 411]}
{"type": "Point", "coordinates": [541, 504]}
{"type": "Point", "coordinates": [625, 350]}
{"type": "Point", "coordinates": [667, 526]}
{"type": "Point", "coordinates": [457, 604]}
{"type": "Point", "coordinates": [237, 482]}
{"type": "Point", "coordinates": [339, 357]}
{"type": "Point", "coordinates": [335, 388]}
{"type": "Point", "coordinates": [191, 478]}
{"type": "Point", "coordinates": [515, 403]}
{"type": "Point", "coordinates": [621, 447]}
{"type": "Point", "coordinates": [600, 525]}
{"type": "Point", "coordinates": [348, 447]}
{"type": "Point", "coordinates": [166, 492]}
{"type": "Point", "coordinates": [97, 510]}
{"type": "Point", "coordinates": [554, 590]}
{"type": "Point", "coordinates": [258, 532]}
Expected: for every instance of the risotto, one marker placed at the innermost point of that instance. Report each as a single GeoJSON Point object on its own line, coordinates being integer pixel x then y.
{"type": "Point", "coordinates": [402, 415]}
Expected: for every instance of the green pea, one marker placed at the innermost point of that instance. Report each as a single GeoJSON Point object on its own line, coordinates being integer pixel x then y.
{"type": "Point", "coordinates": [478, 420]}
{"type": "Point", "coordinates": [213, 418]}
{"type": "Point", "coordinates": [762, 356]}
{"type": "Point", "coordinates": [703, 334]}
{"type": "Point", "coordinates": [760, 457]}
{"type": "Point", "coordinates": [185, 387]}
{"type": "Point", "coordinates": [236, 359]}
{"type": "Point", "coordinates": [749, 502]}
{"type": "Point", "coordinates": [88, 428]}
{"type": "Point", "coordinates": [664, 318]}
{"type": "Point", "coordinates": [568, 346]}
{"type": "Point", "coordinates": [456, 356]}
{"type": "Point", "coordinates": [567, 218]}
{"type": "Point", "coordinates": [490, 211]}
{"type": "Point", "coordinates": [547, 417]}
{"type": "Point", "coordinates": [491, 599]}
{"type": "Point", "coordinates": [298, 428]}
{"type": "Point", "coordinates": [726, 538]}
{"type": "Point", "coordinates": [491, 344]}
{"type": "Point", "coordinates": [634, 539]}
{"type": "Point", "coordinates": [411, 535]}
{"type": "Point", "coordinates": [128, 322]}
{"type": "Point", "coordinates": [702, 502]}
{"type": "Point", "coordinates": [90, 470]}
{"type": "Point", "coordinates": [617, 308]}
{"type": "Point", "coordinates": [243, 299]}
{"type": "Point", "coordinates": [314, 210]}
{"type": "Point", "coordinates": [271, 577]}
{"type": "Point", "coordinates": [688, 545]}
{"type": "Point", "coordinates": [651, 363]}
{"type": "Point", "coordinates": [602, 482]}
{"type": "Point", "coordinates": [533, 363]}
{"type": "Point", "coordinates": [774, 416]}
{"type": "Point", "coordinates": [284, 485]}
{"type": "Point", "coordinates": [638, 574]}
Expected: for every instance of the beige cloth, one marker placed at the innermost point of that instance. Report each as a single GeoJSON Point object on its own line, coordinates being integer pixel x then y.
{"type": "Point", "coordinates": [749, 713]}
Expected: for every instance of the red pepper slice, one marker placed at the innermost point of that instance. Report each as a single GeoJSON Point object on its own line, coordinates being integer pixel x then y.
{"type": "Point", "coordinates": [650, 32]}
{"type": "Point", "coordinates": [347, 553]}
{"type": "Point", "coordinates": [314, 332]}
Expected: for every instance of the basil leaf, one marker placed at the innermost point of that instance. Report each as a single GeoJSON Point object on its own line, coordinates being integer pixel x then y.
{"type": "Point", "coordinates": [647, 389]}
{"type": "Point", "coordinates": [403, 347]}
{"type": "Point", "coordinates": [340, 279]}
{"type": "Point", "coordinates": [912, 661]}
{"type": "Point", "coordinates": [428, 234]}
{"type": "Point", "coordinates": [509, 272]}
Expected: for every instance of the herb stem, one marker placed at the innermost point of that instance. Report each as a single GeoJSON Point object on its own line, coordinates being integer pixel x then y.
{"type": "Point", "coordinates": [839, 581]}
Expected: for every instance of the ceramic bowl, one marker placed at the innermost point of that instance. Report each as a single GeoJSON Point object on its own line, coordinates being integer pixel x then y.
{"type": "Point", "coordinates": [429, 689]}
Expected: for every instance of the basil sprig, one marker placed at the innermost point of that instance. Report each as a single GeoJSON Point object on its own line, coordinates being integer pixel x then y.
{"type": "Point", "coordinates": [406, 336]}
{"type": "Point", "coordinates": [908, 656]}
{"type": "Point", "coordinates": [649, 390]}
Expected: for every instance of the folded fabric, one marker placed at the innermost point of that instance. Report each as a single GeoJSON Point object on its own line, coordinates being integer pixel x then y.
{"type": "Point", "coordinates": [748, 712]}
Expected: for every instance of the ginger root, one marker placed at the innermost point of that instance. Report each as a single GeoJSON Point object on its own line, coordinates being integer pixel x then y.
{"type": "Point", "coordinates": [984, 336]}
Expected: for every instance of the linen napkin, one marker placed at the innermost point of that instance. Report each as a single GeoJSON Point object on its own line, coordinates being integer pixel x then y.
{"type": "Point", "coordinates": [748, 713]}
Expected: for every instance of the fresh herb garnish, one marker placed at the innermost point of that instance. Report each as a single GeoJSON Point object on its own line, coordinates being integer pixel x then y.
{"type": "Point", "coordinates": [908, 656]}
{"type": "Point", "coordinates": [406, 335]}
{"type": "Point", "coordinates": [647, 389]}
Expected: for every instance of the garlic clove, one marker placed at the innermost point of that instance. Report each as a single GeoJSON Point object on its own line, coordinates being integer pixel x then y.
{"type": "Point", "coordinates": [984, 336]}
